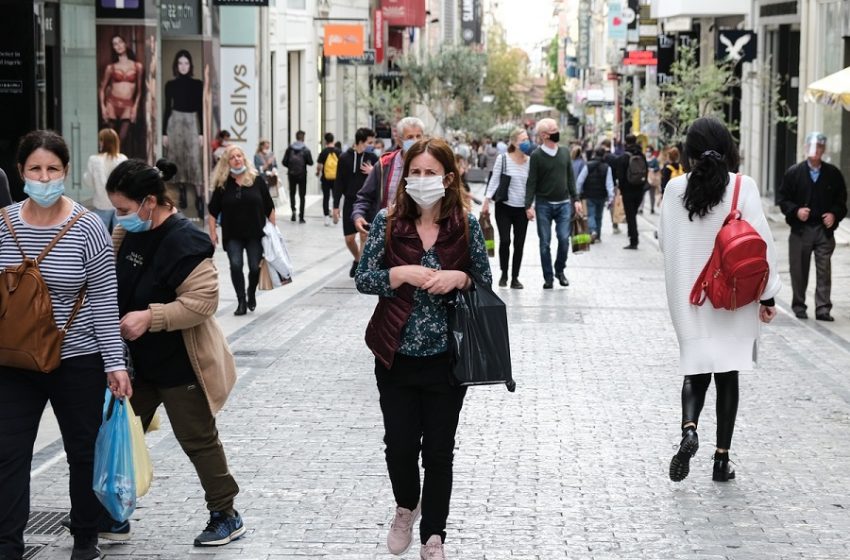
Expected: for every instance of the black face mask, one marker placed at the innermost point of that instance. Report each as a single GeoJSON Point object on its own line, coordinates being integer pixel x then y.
{"type": "Point", "coordinates": [555, 137]}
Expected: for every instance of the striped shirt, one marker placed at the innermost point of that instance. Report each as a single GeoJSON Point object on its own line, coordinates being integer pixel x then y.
{"type": "Point", "coordinates": [84, 256]}
{"type": "Point", "coordinates": [519, 176]}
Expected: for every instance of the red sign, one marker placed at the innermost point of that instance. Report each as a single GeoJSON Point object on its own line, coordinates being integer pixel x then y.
{"type": "Point", "coordinates": [404, 13]}
{"type": "Point", "coordinates": [379, 36]}
{"type": "Point", "coordinates": [640, 58]}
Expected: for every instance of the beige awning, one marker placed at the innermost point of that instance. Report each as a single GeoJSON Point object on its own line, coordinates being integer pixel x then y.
{"type": "Point", "coordinates": [831, 90]}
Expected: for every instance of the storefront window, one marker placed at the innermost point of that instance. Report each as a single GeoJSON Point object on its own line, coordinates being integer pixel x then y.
{"type": "Point", "coordinates": [831, 60]}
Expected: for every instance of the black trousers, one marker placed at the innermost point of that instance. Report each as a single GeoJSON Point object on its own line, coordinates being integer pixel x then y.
{"type": "Point", "coordinates": [693, 398]}
{"type": "Point", "coordinates": [421, 410]}
{"type": "Point", "coordinates": [327, 191]}
{"type": "Point", "coordinates": [254, 249]}
{"type": "Point", "coordinates": [801, 246]}
{"type": "Point", "coordinates": [298, 182]}
{"type": "Point", "coordinates": [508, 217]}
{"type": "Point", "coordinates": [631, 202]}
{"type": "Point", "coordinates": [75, 391]}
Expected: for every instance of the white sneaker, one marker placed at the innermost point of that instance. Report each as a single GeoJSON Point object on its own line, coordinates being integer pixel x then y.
{"type": "Point", "coordinates": [327, 221]}
{"type": "Point", "coordinates": [400, 536]}
{"type": "Point", "coordinates": [433, 549]}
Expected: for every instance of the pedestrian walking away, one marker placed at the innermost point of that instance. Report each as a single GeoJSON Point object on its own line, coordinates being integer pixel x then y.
{"type": "Point", "coordinates": [422, 248]}
{"type": "Point", "coordinates": [167, 299]}
{"type": "Point", "coordinates": [595, 186]}
{"type": "Point", "coordinates": [355, 165]}
{"type": "Point", "coordinates": [78, 268]}
{"type": "Point", "coordinates": [672, 169]}
{"type": "Point", "coordinates": [242, 200]}
{"type": "Point", "coordinates": [633, 172]}
{"type": "Point", "coordinates": [711, 340]}
{"type": "Point", "coordinates": [381, 184]}
{"type": "Point", "coordinates": [551, 187]}
{"type": "Point", "coordinates": [813, 198]}
{"type": "Point", "coordinates": [98, 168]}
{"type": "Point", "coordinates": [510, 213]}
{"type": "Point", "coordinates": [327, 169]}
{"type": "Point", "coordinates": [296, 159]}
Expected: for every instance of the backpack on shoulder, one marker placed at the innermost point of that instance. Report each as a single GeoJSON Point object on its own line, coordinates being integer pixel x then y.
{"type": "Point", "coordinates": [331, 164]}
{"type": "Point", "coordinates": [737, 270]}
{"type": "Point", "coordinates": [29, 337]}
{"type": "Point", "coordinates": [636, 171]}
{"type": "Point", "coordinates": [297, 165]}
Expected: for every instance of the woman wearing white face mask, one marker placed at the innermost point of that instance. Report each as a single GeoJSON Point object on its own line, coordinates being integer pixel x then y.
{"type": "Point", "coordinates": [167, 298]}
{"type": "Point", "coordinates": [241, 198]}
{"type": "Point", "coordinates": [91, 352]}
{"type": "Point", "coordinates": [419, 251]}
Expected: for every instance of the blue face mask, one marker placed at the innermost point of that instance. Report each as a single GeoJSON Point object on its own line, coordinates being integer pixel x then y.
{"type": "Point", "coordinates": [407, 144]}
{"type": "Point", "coordinates": [238, 170]}
{"type": "Point", "coordinates": [133, 223]}
{"type": "Point", "coordinates": [370, 149]}
{"type": "Point", "coordinates": [525, 147]}
{"type": "Point", "coordinates": [45, 194]}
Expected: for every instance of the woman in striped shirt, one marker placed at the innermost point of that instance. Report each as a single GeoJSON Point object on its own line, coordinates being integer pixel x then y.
{"type": "Point", "coordinates": [92, 351]}
{"type": "Point", "coordinates": [510, 213]}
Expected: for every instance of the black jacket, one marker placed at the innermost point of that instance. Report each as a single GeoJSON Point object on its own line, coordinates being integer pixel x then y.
{"type": "Point", "coordinates": [622, 169]}
{"type": "Point", "coordinates": [797, 191]}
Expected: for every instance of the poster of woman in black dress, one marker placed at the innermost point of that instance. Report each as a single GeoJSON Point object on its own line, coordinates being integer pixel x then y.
{"type": "Point", "coordinates": [183, 129]}
{"type": "Point", "coordinates": [121, 85]}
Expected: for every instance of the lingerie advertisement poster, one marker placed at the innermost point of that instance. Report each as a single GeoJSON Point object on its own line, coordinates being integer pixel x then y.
{"type": "Point", "coordinates": [127, 87]}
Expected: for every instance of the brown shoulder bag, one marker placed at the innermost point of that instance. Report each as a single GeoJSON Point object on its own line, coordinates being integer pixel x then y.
{"type": "Point", "coordinates": [29, 338]}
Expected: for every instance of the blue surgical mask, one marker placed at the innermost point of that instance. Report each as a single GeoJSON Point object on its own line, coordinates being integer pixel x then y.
{"type": "Point", "coordinates": [526, 147]}
{"type": "Point", "coordinates": [370, 149]}
{"type": "Point", "coordinates": [45, 194]}
{"type": "Point", "coordinates": [238, 170]}
{"type": "Point", "coordinates": [407, 144]}
{"type": "Point", "coordinates": [133, 223]}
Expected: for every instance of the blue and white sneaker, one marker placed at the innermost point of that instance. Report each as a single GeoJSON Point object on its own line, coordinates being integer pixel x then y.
{"type": "Point", "coordinates": [221, 529]}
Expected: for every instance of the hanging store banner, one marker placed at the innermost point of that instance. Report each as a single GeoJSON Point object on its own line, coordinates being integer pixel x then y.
{"type": "Point", "coordinates": [239, 113]}
{"type": "Point", "coordinates": [666, 54]}
{"type": "Point", "coordinates": [617, 26]}
{"type": "Point", "coordinates": [343, 40]}
{"type": "Point", "coordinates": [404, 13]}
{"type": "Point", "coordinates": [378, 32]}
{"type": "Point", "coordinates": [736, 45]}
{"type": "Point", "coordinates": [583, 50]}
{"type": "Point", "coordinates": [470, 22]}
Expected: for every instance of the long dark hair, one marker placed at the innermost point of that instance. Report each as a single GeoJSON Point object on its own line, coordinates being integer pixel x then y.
{"type": "Point", "coordinates": [137, 180]}
{"type": "Point", "coordinates": [183, 53]}
{"type": "Point", "coordinates": [130, 54]}
{"type": "Point", "coordinates": [711, 154]}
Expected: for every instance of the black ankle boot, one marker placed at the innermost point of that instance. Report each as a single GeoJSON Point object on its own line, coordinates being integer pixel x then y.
{"type": "Point", "coordinates": [680, 463]}
{"type": "Point", "coordinates": [252, 300]}
{"type": "Point", "coordinates": [85, 548]}
{"type": "Point", "coordinates": [503, 281]}
{"type": "Point", "coordinates": [723, 471]}
{"type": "Point", "coordinates": [241, 308]}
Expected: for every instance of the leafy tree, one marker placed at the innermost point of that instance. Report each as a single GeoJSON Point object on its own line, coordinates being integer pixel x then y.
{"type": "Point", "coordinates": [554, 94]}
{"type": "Point", "coordinates": [507, 67]}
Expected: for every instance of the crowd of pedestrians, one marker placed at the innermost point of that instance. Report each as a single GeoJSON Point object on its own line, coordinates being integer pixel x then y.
{"type": "Point", "coordinates": [148, 296]}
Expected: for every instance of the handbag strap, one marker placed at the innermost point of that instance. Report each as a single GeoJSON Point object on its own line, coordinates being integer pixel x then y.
{"type": "Point", "coordinates": [504, 164]}
{"type": "Point", "coordinates": [50, 245]}
{"type": "Point", "coordinates": [698, 291]}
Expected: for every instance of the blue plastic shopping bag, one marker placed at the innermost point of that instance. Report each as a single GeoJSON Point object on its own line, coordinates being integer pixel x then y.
{"type": "Point", "coordinates": [114, 480]}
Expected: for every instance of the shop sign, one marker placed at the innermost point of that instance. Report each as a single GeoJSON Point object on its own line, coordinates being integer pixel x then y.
{"type": "Point", "coordinates": [240, 2]}
{"type": "Point", "coordinates": [368, 59]}
{"type": "Point", "coordinates": [640, 58]}
{"type": "Point", "coordinates": [122, 9]}
{"type": "Point", "coordinates": [617, 26]}
{"type": "Point", "coordinates": [404, 13]}
{"type": "Point", "coordinates": [343, 40]}
{"type": "Point", "coordinates": [666, 54]}
{"type": "Point", "coordinates": [470, 22]}
{"type": "Point", "coordinates": [583, 34]}
{"type": "Point", "coordinates": [379, 36]}
{"type": "Point", "coordinates": [239, 111]}
{"type": "Point", "coordinates": [180, 17]}
{"type": "Point", "coordinates": [736, 46]}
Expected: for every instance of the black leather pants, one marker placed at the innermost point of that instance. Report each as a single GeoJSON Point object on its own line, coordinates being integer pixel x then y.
{"type": "Point", "coordinates": [693, 399]}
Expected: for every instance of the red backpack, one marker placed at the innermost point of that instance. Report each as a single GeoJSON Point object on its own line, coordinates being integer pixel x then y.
{"type": "Point", "coordinates": [736, 273]}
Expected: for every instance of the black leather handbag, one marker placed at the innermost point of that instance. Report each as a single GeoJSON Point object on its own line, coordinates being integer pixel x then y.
{"type": "Point", "coordinates": [501, 193]}
{"type": "Point", "coordinates": [478, 337]}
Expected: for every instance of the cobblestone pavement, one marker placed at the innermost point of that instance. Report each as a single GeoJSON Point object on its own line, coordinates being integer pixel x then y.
{"type": "Point", "coordinates": [573, 465]}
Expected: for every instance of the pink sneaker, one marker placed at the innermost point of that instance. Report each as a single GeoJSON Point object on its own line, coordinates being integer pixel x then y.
{"type": "Point", "coordinates": [400, 536]}
{"type": "Point", "coordinates": [433, 549]}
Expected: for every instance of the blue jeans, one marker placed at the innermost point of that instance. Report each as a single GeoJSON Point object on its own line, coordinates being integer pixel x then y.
{"type": "Point", "coordinates": [595, 208]}
{"type": "Point", "coordinates": [108, 217]}
{"type": "Point", "coordinates": [546, 213]}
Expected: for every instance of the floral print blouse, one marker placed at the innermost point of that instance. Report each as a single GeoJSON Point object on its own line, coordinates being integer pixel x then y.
{"type": "Point", "coordinates": [426, 331]}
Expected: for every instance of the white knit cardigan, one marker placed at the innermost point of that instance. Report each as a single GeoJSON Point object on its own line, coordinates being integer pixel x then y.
{"type": "Point", "coordinates": [710, 340]}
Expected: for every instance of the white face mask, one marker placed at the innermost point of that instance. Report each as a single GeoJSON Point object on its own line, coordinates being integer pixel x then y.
{"type": "Point", "coordinates": [425, 191]}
